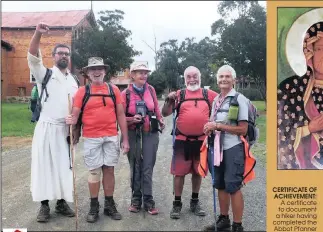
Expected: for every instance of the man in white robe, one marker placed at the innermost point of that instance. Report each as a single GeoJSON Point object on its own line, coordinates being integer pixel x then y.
{"type": "Point", "coordinates": [51, 175]}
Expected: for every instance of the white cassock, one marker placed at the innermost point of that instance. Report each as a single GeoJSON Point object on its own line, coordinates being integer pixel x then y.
{"type": "Point", "coordinates": [51, 176]}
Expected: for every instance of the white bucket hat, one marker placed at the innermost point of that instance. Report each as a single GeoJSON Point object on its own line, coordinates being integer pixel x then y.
{"type": "Point", "coordinates": [94, 62]}
{"type": "Point", "coordinates": [139, 66]}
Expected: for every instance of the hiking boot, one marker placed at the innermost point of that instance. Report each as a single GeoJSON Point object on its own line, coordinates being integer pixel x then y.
{"type": "Point", "coordinates": [150, 207]}
{"type": "Point", "coordinates": [237, 227]}
{"type": "Point", "coordinates": [43, 214]}
{"type": "Point", "coordinates": [195, 206]}
{"type": "Point", "coordinates": [223, 223]}
{"type": "Point", "coordinates": [63, 208]}
{"type": "Point", "coordinates": [93, 214]}
{"type": "Point", "coordinates": [110, 209]}
{"type": "Point", "coordinates": [176, 210]}
{"type": "Point", "coordinates": [135, 206]}
{"type": "Point", "coordinates": [209, 228]}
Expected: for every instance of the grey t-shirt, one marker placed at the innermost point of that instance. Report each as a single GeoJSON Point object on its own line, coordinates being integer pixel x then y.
{"type": "Point", "coordinates": [231, 140]}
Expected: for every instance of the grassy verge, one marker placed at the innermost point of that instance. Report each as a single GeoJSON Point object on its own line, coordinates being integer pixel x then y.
{"type": "Point", "coordinates": [16, 120]}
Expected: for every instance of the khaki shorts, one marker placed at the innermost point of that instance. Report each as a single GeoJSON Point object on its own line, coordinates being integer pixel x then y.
{"type": "Point", "coordinates": [101, 151]}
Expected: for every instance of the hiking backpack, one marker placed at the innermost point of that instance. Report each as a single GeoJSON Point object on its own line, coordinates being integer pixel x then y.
{"type": "Point", "coordinates": [183, 99]}
{"type": "Point", "coordinates": [253, 131]}
{"type": "Point", "coordinates": [88, 94]}
{"type": "Point", "coordinates": [36, 111]}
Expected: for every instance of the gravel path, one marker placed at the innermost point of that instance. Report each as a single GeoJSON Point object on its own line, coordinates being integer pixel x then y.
{"type": "Point", "coordinates": [18, 210]}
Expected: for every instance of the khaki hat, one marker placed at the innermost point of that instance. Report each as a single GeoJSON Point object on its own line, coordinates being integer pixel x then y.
{"type": "Point", "coordinates": [94, 62]}
{"type": "Point", "coordinates": [139, 66]}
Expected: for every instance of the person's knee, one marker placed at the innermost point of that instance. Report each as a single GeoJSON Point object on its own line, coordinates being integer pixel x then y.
{"type": "Point", "coordinates": [95, 175]}
{"type": "Point", "coordinates": [233, 187]}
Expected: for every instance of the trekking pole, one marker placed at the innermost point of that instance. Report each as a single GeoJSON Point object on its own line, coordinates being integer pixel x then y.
{"type": "Point", "coordinates": [73, 162]}
{"type": "Point", "coordinates": [211, 153]}
{"type": "Point", "coordinates": [173, 157]}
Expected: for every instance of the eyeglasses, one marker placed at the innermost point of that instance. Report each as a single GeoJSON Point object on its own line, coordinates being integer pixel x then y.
{"type": "Point", "coordinates": [63, 53]}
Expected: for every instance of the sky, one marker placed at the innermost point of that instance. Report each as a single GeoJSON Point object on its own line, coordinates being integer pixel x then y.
{"type": "Point", "coordinates": [167, 19]}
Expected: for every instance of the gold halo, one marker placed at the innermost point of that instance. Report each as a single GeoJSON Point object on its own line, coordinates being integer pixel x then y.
{"type": "Point", "coordinates": [295, 37]}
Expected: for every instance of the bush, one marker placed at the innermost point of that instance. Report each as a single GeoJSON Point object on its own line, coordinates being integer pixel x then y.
{"type": "Point", "coordinates": [252, 94]}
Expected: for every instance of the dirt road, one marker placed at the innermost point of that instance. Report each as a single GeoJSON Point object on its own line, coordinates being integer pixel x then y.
{"type": "Point", "coordinates": [18, 210]}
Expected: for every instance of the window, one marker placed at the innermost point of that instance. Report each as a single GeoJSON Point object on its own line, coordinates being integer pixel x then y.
{"type": "Point", "coordinates": [21, 91]}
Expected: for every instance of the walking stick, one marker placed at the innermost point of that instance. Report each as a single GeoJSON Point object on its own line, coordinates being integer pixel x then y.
{"type": "Point", "coordinates": [73, 162]}
{"type": "Point", "coordinates": [211, 157]}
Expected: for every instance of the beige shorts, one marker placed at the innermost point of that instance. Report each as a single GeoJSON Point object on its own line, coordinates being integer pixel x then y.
{"type": "Point", "coordinates": [101, 151]}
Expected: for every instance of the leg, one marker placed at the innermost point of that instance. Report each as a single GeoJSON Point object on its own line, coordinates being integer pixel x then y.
{"type": "Point", "coordinates": [179, 168]}
{"type": "Point", "coordinates": [135, 172]}
{"type": "Point", "coordinates": [222, 222]}
{"type": "Point", "coordinates": [195, 204]}
{"type": "Point", "coordinates": [93, 159]}
{"type": "Point", "coordinates": [111, 153]}
{"type": "Point", "coordinates": [234, 170]}
{"type": "Point", "coordinates": [150, 147]}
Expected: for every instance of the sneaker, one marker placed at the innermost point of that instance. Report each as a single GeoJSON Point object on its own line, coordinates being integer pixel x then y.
{"type": "Point", "coordinates": [237, 227]}
{"type": "Point", "coordinates": [110, 209]}
{"type": "Point", "coordinates": [150, 207]}
{"type": "Point", "coordinates": [196, 208]}
{"type": "Point", "coordinates": [63, 208]}
{"type": "Point", "coordinates": [43, 213]}
{"type": "Point", "coordinates": [176, 210]}
{"type": "Point", "coordinates": [93, 214]}
{"type": "Point", "coordinates": [223, 223]}
{"type": "Point", "coordinates": [135, 206]}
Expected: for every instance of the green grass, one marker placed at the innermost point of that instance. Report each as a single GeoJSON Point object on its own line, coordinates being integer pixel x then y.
{"type": "Point", "coordinates": [16, 120]}
{"type": "Point", "coordinates": [261, 105]}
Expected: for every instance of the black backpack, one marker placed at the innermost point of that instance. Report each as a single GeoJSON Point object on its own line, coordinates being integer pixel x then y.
{"type": "Point", "coordinates": [87, 96]}
{"type": "Point", "coordinates": [36, 112]}
{"type": "Point", "coordinates": [183, 99]}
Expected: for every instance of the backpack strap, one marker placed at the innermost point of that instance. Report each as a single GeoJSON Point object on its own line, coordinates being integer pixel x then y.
{"type": "Point", "coordinates": [181, 100]}
{"type": "Point", "coordinates": [127, 101]}
{"type": "Point", "coordinates": [44, 83]}
{"type": "Point", "coordinates": [152, 95]}
{"type": "Point", "coordinates": [205, 93]}
{"type": "Point", "coordinates": [113, 96]}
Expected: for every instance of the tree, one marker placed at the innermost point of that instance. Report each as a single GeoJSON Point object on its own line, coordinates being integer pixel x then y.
{"type": "Point", "coordinates": [108, 40]}
{"type": "Point", "coordinates": [158, 80]}
{"type": "Point", "coordinates": [242, 41]}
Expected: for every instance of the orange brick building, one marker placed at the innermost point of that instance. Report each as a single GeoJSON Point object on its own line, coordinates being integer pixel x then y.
{"type": "Point", "coordinates": [121, 79]}
{"type": "Point", "coordinates": [17, 31]}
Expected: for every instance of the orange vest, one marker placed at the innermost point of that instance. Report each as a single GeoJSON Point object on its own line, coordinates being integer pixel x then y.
{"type": "Point", "coordinates": [250, 161]}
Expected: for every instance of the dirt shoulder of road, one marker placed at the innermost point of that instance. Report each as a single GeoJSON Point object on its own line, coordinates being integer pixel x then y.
{"type": "Point", "coordinates": [9, 143]}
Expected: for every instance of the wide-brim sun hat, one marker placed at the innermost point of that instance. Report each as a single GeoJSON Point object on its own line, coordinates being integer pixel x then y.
{"type": "Point", "coordinates": [95, 62]}
{"type": "Point", "coordinates": [139, 66]}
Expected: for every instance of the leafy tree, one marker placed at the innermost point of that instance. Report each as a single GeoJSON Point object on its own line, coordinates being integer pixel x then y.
{"type": "Point", "coordinates": [242, 41]}
{"type": "Point", "coordinates": [108, 40]}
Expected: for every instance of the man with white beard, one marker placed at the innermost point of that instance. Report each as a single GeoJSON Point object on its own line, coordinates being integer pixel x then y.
{"type": "Point", "coordinates": [193, 106]}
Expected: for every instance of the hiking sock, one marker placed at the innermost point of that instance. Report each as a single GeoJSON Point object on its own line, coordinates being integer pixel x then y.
{"type": "Point", "coordinates": [178, 198]}
{"type": "Point", "coordinates": [195, 196]}
{"type": "Point", "coordinates": [94, 199]}
{"type": "Point", "coordinates": [237, 223]}
{"type": "Point", "coordinates": [45, 202]}
{"type": "Point", "coordinates": [108, 198]}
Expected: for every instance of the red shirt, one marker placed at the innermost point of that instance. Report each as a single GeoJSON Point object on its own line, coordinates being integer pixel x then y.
{"type": "Point", "coordinates": [194, 115]}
